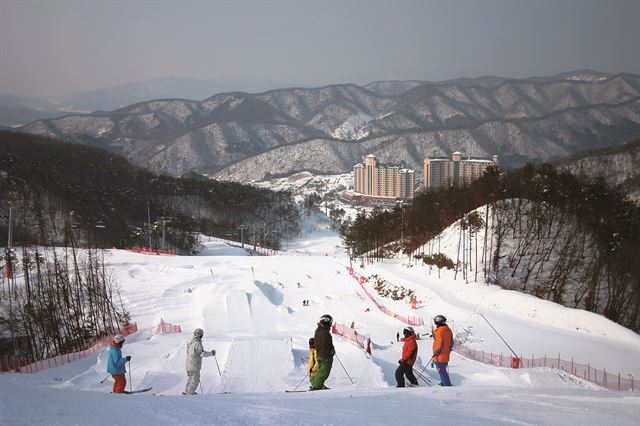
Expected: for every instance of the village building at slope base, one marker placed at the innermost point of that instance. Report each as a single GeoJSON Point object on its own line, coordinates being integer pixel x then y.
{"type": "Point", "coordinates": [381, 184]}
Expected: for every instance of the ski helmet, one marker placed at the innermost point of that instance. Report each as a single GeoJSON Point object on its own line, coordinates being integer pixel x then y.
{"type": "Point", "coordinates": [408, 331]}
{"type": "Point", "coordinates": [312, 342]}
{"type": "Point", "coordinates": [118, 338]}
{"type": "Point", "coordinates": [439, 320]}
{"type": "Point", "coordinates": [326, 320]}
{"type": "Point", "coordinates": [198, 332]}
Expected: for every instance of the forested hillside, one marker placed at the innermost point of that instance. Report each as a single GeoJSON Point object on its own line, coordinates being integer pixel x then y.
{"type": "Point", "coordinates": [60, 191]}
{"type": "Point", "coordinates": [572, 240]}
{"type": "Point", "coordinates": [617, 164]}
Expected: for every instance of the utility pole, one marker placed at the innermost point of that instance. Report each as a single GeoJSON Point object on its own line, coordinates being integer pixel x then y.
{"type": "Point", "coordinates": [149, 223]}
{"type": "Point", "coordinates": [164, 221]}
{"type": "Point", "coordinates": [9, 261]}
{"type": "Point", "coordinates": [242, 228]}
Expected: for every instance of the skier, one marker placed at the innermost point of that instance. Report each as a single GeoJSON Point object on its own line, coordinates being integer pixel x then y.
{"type": "Point", "coordinates": [313, 366]}
{"type": "Point", "coordinates": [398, 336]}
{"type": "Point", "coordinates": [116, 363]}
{"type": "Point", "coordinates": [442, 347]}
{"type": "Point", "coordinates": [409, 355]}
{"type": "Point", "coordinates": [325, 350]}
{"type": "Point", "coordinates": [195, 353]}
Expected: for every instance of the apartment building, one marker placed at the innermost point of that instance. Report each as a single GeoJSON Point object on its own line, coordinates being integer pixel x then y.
{"type": "Point", "coordinates": [374, 179]}
{"type": "Point", "coordinates": [440, 172]}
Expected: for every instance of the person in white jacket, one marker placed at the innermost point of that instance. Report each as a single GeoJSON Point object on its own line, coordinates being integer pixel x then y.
{"type": "Point", "coordinates": [195, 353]}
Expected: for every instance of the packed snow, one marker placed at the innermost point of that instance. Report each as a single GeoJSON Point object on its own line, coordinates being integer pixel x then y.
{"type": "Point", "coordinates": [251, 310]}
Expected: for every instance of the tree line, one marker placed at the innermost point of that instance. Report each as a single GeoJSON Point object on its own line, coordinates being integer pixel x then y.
{"type": "Point", "coordinates": [111, 203]}
{"type": "Point", "coordinates": [565, 238]}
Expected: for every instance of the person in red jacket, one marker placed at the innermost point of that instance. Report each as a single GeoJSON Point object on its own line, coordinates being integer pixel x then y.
{"type": "Point", "coordinates": [409, 356]}
{"type": "Point", "coordinates": [442, 347]}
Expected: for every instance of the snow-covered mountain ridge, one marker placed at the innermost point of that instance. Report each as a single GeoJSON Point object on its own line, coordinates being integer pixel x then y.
{"type": "Point", "coordinates": [244, 136]}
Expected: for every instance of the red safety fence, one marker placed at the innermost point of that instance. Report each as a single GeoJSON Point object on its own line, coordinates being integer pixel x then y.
{"type": "Point", "coordinates": [148, 250]}
{"type": "Point", "coordinates": [20, 365]}
{"type": "Point", "coordinates": [165, 327]}
{"type": "Point", "coordinates": [584, 371]}
{"type": "Point", "coordinates": [351, 334]}
{"type": "Point", "coordinates": [411, 320]}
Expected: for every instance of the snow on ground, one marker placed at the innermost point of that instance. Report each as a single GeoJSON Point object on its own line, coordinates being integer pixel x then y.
{"type": "Point", "coordinates": [251, 310]}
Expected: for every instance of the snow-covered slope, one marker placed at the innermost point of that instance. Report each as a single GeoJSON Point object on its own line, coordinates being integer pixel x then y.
{"type": "Point", "coordinates": [252, 313]}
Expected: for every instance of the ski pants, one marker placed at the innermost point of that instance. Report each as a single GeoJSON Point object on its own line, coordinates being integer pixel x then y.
{"type": "Point", "coordinates": [405, 369]}
{"type": "Point", "coordinates": [120, 383]}
{"type": "Point", "coordinates": [324, 369]}
{"type": "Point", "coordinates": [312, 376]}
{"type": "Point", "coordinates": [442, 371]}
{"type": "Point", "coordinates": [193, 380]}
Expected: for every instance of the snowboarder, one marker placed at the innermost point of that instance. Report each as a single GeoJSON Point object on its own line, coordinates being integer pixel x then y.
{"type": "Point", "coordinates": [442, 347]}
{"type": "Point", "coordinates": [313, 366]}
{"type": "Point", "coordinates": [409, 355]}
{"type": "Point", "coordinates": [116, 363]}
{"type": "Point", "coordinates": [195, 353]}
{"type": "Point", "coordinates": [325, 350]}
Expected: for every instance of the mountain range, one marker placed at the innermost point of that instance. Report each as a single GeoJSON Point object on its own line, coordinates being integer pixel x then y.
{"type": "Point", "coordinates": [242, 136]}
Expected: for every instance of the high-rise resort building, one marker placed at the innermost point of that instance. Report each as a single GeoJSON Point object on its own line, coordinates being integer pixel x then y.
{"type": "Point", "coordinates": [440, 172]}
{"type": "Point", "coordinates": [384, 182]}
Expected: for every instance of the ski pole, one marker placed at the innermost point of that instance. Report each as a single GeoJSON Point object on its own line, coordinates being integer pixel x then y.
{"type": "Point", "coordinates": [220, 372]}
{"type": "Point", "coordinates": [130, 382]}
{"type": "Point", "coordinates": [505, 342]}
{"type": "Point", "coordinates": [426, 380]}
{"type": "Point", "coordinates": [345, 370]}
{"type": "Point", "coordinates": [298, 385]}
{"type": "Point", "coordinates": [102, 381]}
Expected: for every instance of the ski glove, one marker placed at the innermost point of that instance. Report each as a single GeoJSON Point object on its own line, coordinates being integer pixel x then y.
{"type": "Point", "coordinates": [128, 357]}
{"type": "Point", "coordinates": [213, 352]}
{"type": "Point", "coordinates": [399, 361]}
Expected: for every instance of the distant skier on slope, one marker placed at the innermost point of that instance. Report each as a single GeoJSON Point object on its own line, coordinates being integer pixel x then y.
{"type": "Point", "coordinates": [116, 363]}
{"type": "Point", "coordinates": [409, 356]}
{"type": "Point", "coordinates": [324, 347]}
{"type": "Point", "coordinates": [442, 347]}
{"type": "Point", "coordinates": [195, 353]}
{"type": "Point", "coordinates": [313, 366]}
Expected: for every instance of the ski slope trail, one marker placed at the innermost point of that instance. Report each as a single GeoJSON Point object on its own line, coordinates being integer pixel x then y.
{"type": "Point", "coordinates": [252, 312]}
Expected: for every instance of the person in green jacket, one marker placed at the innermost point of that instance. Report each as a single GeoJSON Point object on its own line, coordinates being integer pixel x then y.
{"type": "Point", "coordinates": [325, 351]}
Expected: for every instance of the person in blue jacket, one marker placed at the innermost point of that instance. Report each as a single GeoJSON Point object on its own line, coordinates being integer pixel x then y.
{"type": "Point", "coordinates": [116, 363]}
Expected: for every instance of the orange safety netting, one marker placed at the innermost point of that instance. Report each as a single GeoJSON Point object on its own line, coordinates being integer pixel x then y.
{"type": "Point", "coordinates": [20, 365]}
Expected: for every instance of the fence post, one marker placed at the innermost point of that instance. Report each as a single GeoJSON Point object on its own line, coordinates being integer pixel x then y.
{"type": "Point", "coordinates": [604, 377]}
{"type": "Point", "coordinates": [572, 366]}
{"type": "Point", "coordinates": [618, 380]}
{"type": "Point", "coordinates": [632, 382]}
{"type": "Point", "coordinates": [558, 360]}
{"type": "Point", "coordinates": [545, 360]}
{"type": "Point", "coordinates": [588, 372]}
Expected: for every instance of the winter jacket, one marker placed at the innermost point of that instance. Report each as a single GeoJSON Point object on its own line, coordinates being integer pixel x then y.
{"type": "Point", "coordinates": [195, 353]}
{"type": "Point", "coordinates": [312, 368]}
{"type": "Point", "coordinates": [442, 343]}
{"type": "Point", "coordinates": [115, 362]}
{"type": "Point", "coordinates": [409, 350]}
{"type": "Point", "coordinates": [323, 342]}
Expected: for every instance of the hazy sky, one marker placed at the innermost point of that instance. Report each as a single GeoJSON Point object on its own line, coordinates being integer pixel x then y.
{"type": "Point", "coordinates": [55, 47]}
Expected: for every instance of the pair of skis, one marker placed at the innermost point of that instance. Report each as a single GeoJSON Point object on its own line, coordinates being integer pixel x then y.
{"type": "Point", "coordinates": [139, 390]}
